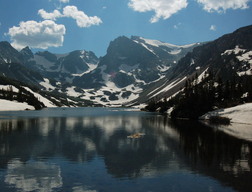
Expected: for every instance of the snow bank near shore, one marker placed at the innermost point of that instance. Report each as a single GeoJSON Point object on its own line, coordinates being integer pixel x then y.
{"type": "Point", "coordinates": [241, 120]}
{"type": "Point", "coordinates": [237, 114]}
{"type": "Point", "coordinates": [6, 105]}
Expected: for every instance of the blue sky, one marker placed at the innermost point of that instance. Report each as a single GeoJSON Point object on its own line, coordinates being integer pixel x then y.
{"type": "Point", "coordinates": [61, 26]}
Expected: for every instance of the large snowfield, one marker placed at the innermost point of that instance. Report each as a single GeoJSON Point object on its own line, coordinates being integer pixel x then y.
{"type": "Point", "coordinates": [6, 105]}
{"type": "Point", "coordinates": [241, 120]}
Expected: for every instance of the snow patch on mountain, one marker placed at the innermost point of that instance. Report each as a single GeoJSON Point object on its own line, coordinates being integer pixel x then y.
{"type": "Point", "coordinates": [157, 43]}
{"type": "Point", "coordinates": [192, 62]}
{"type": "Point", "coordinates": [71, 91]}
{"type": "Point", "coordinates": [175, 51]}
{"type": "Point", "coordinates": [46, 102]}
{"type": "Point", "coordinates": [244, 56]}
{"type": "Point", "coordinates": [247, 56]}
{"type": "Point", "coordinates": [146, 47]}
{"type": "Point", "coordinates": [248, 72]}
{"type": "Point", "coordinates": [82, 54]}
{"type": "Point", "coordinates": [107, 95]}
{"type": "Point", "coordinates": [163, 68]}
{"type": "Point", "coordinates": [236, 51]}
{"type": "Point", "coordinates": [91, 67]}
{"type": "Point", "coordinates": [8, 87]}
{"type": "Point", "coordinates": [168, 87]}
{"type": "Point", "coordinates": [203, 75]}
{"type": "Point", "coordinates": [7, 60]}
{"type": "Point", "coordinates": [46, 84]}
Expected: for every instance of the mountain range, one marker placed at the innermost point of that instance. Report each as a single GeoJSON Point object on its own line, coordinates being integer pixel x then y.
{"type": "Point", "coordinates": [133, 71]}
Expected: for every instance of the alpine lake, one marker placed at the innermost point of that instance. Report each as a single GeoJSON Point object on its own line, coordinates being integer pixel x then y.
{"type": "Point", "coordinates": [117, 149]}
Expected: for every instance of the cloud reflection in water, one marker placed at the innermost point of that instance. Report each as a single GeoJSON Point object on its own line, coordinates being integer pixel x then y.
{"type": "Point", "coordinates": [33, 176]}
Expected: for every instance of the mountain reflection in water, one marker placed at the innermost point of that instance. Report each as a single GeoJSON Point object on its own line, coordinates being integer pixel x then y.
{"type": "Point", "coordinates": [93, 153]}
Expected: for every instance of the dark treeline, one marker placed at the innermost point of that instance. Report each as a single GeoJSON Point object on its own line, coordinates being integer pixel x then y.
{"type": "Point", "coordinates": [22, 95]}
{"type": "Point", "coordinates": [197, 98]}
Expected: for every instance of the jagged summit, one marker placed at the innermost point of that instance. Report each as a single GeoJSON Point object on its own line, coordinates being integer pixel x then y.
{"type": "Point", "coordinates": [9, 54]}
{"type": "Point", "coordinates": [134, 69]}
{"type": "Point", "coordinates": [27, 53]}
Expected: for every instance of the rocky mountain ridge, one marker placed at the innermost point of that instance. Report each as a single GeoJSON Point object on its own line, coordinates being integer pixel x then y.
{"type": "Point", "coordinates": [133, 71]}
{"type": "Point", "coordinates": [129, 65]}
{"type": "Point", "coordinates": [227, 57]}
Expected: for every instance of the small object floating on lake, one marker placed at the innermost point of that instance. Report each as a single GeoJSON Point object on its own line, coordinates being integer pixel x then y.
{"type": "Point", "coordinates": [135, 136]}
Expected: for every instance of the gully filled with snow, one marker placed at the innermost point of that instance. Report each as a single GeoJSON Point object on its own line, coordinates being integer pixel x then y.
{"type": "Point", "coordinates": [93, 149]}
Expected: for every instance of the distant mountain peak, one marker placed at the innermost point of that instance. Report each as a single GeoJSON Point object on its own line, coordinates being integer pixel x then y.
{"type": "Point", "coordinates": [9, 54]}
{"type": "Point", "coordinates": [5, 43]}
{"type": "Point", "coordinates": [27, 53]}
{"type": "Point", "coordinates": [133, 69]}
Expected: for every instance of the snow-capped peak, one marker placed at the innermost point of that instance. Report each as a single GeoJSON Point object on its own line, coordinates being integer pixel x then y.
{"type": "Point", "coordinates": [157, 43]}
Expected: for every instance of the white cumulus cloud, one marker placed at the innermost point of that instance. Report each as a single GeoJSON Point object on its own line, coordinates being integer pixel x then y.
{"type": "Point", "coordinates": [37, 34]}
{"type": "Point", "coordinates": [64, 1]}
{"type": "Point", "coordinates": [223, 5]}
{"type": "Point", "coordinates": [162, 8]}
{"type": "Point", "coordinates": [81, 18]}
{"type": "Point", "coordinates": [213, 28]}
{"type": "Point", "coordinates": [51, 16]}
{"type": "Point", "coordinates": [177, 25]}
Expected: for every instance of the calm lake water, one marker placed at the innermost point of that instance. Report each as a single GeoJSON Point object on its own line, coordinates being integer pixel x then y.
{"type": "Point", "coordinates": [87, 150]}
